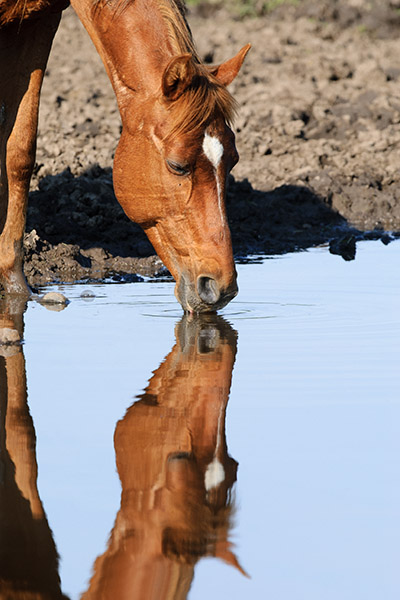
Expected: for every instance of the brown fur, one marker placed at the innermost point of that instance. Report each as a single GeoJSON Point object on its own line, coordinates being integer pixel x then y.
{"type": "Point", "coordinates": [167, 519]}
{"type": "Point", "coordinates": [203, 98]}
{"type": "Point", "coordinates": [179, 32]}
{"type": "Point", "coordinates": [167, 100]}
{"type": "Point", "coordinates": [29, 560]}
{"type": "Point", "coordinates": [18, 10]}
{"type": "Point", "coordinates": [206, 94]}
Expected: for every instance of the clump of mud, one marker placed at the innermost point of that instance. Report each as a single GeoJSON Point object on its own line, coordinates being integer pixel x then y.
{"type": "Point", "coordinates": [78, 231]}
{"type": "Point", "coordinates": [318, 134]}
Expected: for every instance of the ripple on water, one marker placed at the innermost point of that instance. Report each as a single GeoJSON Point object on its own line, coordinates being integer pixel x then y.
{"type": "Point", "coordinates": [266, 310]}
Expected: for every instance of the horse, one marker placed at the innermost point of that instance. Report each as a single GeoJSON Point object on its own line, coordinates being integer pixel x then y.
{"type": "Point", "coordinates": [176, 147]}
{"type": "Point", "coordinates": [175, 472]}
{"type": "Point", "coordinates": [29, 562]}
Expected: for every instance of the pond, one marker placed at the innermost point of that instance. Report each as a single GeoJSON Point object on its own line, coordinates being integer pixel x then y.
{"type": "Point", "coordinates": [268, 438]}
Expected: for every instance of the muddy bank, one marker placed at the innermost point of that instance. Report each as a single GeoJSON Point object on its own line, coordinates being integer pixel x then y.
{"type": "Point", "coordinates": [318, 133]}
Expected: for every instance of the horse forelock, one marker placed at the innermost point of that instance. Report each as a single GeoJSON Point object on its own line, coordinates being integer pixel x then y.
{"type": "Point", "coordinates": [204, 99]}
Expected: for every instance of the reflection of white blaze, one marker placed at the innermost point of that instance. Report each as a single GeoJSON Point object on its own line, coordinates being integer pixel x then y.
{"type": "Point", "coordinates": [214, 150]}
{"type": "Point", "coordinates": [214, 474]}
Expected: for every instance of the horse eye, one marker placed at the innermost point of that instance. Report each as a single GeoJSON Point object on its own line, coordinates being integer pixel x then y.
{"type": "Point", "coordinates": [177, 168]}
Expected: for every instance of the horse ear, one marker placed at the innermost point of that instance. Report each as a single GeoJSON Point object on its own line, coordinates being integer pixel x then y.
{"type": "Point", "coordinates": [227, 71]}
{"type": "Point", "coordinates": [177, 76]}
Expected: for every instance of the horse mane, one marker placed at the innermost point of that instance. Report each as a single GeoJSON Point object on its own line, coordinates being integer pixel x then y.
{"type": "Point", "coordinates": [18, 10]}
{"type": "Point", "coordinates": [173, 13]}
{"type": "Point", "coordinates": [205, 95]}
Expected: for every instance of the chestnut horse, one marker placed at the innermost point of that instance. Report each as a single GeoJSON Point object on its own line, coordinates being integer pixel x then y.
{"type": "Point", "coordinates": [28, 555]}
{"type": "Point", "coordinates": [176, 146]}
{"type": "Point", "coordinates": [175, 471]}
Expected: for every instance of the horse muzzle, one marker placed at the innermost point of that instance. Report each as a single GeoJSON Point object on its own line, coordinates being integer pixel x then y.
{"type": "Point", "coordinates": [206, 294]}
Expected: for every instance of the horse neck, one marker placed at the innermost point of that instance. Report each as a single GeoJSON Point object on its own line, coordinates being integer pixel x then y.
{"type": "Point", "coordinates": [135, 41]}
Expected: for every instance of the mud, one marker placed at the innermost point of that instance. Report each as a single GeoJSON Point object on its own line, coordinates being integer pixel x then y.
{"type": "Point", "coordinates": [318, 133]}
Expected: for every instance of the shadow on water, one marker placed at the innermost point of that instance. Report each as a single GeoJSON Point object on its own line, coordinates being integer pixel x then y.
{"type": "Point", "coordinates": [172, 460]}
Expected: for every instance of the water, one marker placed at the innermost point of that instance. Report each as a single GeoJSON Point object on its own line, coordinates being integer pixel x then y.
{"type": "Point", "coordinates": [312, 421]}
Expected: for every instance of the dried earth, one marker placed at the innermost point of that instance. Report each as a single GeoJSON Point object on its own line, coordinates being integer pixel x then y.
{"type": "Point", "coordinates": [318, 133]}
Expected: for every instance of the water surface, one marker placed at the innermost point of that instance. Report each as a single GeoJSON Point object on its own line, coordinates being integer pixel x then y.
{"type": "Point", "coordinates": [312, 421]}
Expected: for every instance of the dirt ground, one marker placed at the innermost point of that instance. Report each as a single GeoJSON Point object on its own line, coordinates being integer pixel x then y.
{"type": "Point", "coordinates": [318, 134]}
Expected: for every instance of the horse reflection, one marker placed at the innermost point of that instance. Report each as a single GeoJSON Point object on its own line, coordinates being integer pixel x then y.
{"type": "Point", "coordinates": [175, 472]}
{"type": "Point", "coordinates": [28, 556]}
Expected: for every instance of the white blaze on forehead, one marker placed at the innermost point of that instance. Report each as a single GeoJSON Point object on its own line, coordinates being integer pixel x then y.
{"type": "Point", "coordinates": [214, 475]}
{"type": "Point", "coordinates": [213, 149]}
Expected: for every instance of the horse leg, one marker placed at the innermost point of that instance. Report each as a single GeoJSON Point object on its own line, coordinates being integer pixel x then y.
{"type": "Point", "coordinates": [24, 50]}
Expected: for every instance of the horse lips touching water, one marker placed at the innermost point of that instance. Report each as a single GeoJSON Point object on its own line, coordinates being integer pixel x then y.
{"type": "Point", "coordinates": [176, 146]}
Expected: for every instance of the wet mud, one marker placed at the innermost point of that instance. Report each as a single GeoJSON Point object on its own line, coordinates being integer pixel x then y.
{"type": "Point", "coordinates": [317, 131]}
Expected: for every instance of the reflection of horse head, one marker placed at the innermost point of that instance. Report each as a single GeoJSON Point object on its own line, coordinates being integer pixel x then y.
{"type": "Point", "coordinates": [28, 556]}
{"type": "Point", "coordinates": [175, 471]}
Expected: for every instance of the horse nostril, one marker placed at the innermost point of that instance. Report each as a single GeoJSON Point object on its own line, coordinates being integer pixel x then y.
{"type": "Point", "coordinates": [207, 289]}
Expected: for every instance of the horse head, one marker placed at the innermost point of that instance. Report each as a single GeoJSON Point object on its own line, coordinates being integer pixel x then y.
{"type": "Point", "coordinates": [170, 170]}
